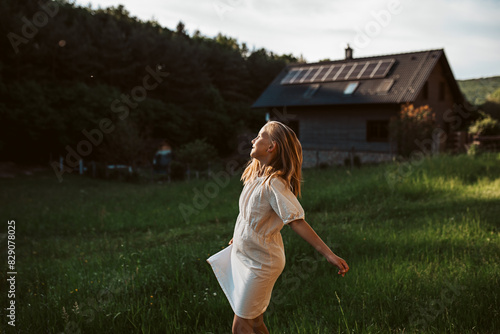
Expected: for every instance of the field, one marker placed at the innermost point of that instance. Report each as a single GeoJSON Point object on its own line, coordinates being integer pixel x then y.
{"type": "Point", "coordinates": [422, 240]}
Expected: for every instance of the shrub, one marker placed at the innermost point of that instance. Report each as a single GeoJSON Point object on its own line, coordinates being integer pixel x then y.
{"type": "Point", "coordinates": [323, 165]}
{"type": "Point", "coordinates": [473, 150]}
{"type": "Point", "coordinates": [412, 124]}
{"type": "Point", "coordinates": [356, 162]}
{"type": "Point", "coordinates": [485, 126]}
{"type": "Point", "coordinates": [177, 170]}
{"type": "Point", "coordinates": [197, 154]}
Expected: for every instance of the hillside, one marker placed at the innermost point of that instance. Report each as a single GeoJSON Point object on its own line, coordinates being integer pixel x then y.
{"type": "Point", "coordinates": [477, 90]}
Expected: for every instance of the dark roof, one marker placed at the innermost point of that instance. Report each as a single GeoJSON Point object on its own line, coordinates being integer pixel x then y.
{"type": "Point", "coordinates": [404, 81]}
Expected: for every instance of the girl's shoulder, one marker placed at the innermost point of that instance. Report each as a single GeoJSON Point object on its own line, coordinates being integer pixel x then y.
{"type": "Point", "coordinates": [276, 183]}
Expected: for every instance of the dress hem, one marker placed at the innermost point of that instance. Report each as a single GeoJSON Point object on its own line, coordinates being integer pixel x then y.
{"type": "Point", "coordinates": [219, 277]}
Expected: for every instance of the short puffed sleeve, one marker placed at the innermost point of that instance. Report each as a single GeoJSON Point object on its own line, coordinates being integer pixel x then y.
{"type": "Point", "coordinates": [283, 201]}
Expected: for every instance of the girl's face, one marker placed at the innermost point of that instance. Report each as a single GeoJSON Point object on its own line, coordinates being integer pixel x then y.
{"type": "Point", "coordinates": [262, 144]}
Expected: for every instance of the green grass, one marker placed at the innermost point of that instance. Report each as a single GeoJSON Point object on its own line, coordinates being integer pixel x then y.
{"type": "Point", "coordinates": [97, 256]}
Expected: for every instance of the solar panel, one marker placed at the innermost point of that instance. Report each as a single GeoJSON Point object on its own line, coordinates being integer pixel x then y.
{"type": "Point", "coordinates": [353, 70]}
{"type": "Point", "coordinates": [369, 70]}
{"type": "Point", "coordinates": [362, 70]}
{"type": "Point", "coordinates": [373, 69]}
{"type": "Point", "coordinates": [288, 77]}
{"type": "Point", "coordinates": [323, 70]}
{"type": "Point", "coordinates": [385, 66]}
{"type": "Point", "coordinates": [334, 73]}
{"type": "Point", "coordinates": [298, 75]}
{"type": "Point", "coordinates": [344, 74]}
{"type": "Point", "coordinates": [310, 73]}
{"type": "Point", "coordinates": [327, 72]}
{"type": "Point", "coordinates": [320, 69]}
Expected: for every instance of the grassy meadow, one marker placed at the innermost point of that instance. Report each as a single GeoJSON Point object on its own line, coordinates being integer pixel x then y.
{"type": "Point", "coordinates": [422, 241]}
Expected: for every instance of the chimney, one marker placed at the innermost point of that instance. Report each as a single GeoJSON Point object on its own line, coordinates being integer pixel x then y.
{"type": "Point", "coordinates": [348, 52]}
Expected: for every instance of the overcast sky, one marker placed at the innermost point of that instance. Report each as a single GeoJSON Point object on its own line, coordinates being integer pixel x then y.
{"type": "Point", "coordinates": [468, 30]}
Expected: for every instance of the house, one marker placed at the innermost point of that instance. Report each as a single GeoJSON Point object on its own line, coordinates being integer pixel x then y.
{"type": "Point", "coordinates": [342, 108]}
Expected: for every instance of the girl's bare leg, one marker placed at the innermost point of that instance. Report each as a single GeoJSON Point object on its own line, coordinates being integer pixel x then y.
{"type": "Point", "coordinates": [249, 326]}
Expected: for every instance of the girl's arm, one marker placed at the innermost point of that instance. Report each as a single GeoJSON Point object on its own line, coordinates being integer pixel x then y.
{"type": "Point", "coordinates": [302, 228]}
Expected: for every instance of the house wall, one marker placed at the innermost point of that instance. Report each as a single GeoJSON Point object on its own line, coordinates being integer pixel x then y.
{"type": "Point", "coordinates": [439, 105]}
{"type": "Point", "coordinates": [332, 134]}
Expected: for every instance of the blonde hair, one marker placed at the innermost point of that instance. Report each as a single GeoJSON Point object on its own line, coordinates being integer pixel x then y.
{"type": "Point", "coordinates": [287, 163]}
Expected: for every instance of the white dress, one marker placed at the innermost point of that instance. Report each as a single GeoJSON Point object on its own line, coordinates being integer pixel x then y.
{"type": "Point", "coordinates": [248, 269]}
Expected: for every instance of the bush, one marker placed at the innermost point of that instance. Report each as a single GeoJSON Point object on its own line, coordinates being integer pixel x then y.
{"type": "Point", "coordinates": [197, 154]}
{"type": "Point", "coordinates": [323, 165]}
{"type": "Point", "coordinates": [485, 126]}
{"type": "Point", "coordinates": [356, 162]}
{"type": "Point", "coordinates": [177, 171]}
{"type": "Point", "coordinates": [100, 170]}
{"type": "Point", "coordinates": [473, 150]}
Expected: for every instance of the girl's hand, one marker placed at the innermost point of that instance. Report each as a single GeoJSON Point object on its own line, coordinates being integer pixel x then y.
{"type": "Point", "coordinates": [302, 228]}
{"type": "Point", "coordinates": [230, 241]}
{"type": "Point", "coordinates": [339, 263]}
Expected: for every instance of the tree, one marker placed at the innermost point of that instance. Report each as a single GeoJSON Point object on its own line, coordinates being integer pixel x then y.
{"type": "Point", "coordinates": [197, 155]}
{"type": "Point", "coordinates": [492, 105]}
{"type": "Point", "coordinates": [70, 73]}
{"type": "Point", "coordinates": [128, 145]}
{"type": "Point", "coordinates": [180, 30]}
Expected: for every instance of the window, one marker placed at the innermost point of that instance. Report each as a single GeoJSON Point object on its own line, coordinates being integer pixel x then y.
{"type": "Point", "coordinates": [377, 131]}
{"type": "Point", "coordinates": [310, 91]}
{"type": "Point", "coordinates": [351, 87]}
{"type": "Point", "coordinates": [384, 86]}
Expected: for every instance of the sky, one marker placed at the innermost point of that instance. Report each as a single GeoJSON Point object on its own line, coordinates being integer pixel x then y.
{"type": "Point", "coordinates": [467, 30]}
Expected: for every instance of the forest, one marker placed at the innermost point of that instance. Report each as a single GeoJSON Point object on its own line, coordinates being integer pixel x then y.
{"type": "Point", "coordinates": [482, 90]}
{"type": "Point", "coordinates": [70, 74]}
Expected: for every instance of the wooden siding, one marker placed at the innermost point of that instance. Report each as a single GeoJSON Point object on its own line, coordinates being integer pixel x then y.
{"type": "Point", "coordinates": [341, 128]}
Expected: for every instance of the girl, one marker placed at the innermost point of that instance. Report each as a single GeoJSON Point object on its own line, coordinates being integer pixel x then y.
{"type": "Point", "coordinates": [249, 267]}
